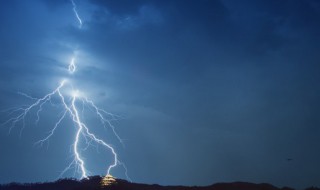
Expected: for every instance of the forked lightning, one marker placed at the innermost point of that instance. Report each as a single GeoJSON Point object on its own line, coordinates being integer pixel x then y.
{"type": "Point", "coordinates": [68, 102]}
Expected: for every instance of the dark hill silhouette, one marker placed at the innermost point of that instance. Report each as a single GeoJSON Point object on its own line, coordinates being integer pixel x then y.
{"type": "Point", "coordinates": [95, 183]}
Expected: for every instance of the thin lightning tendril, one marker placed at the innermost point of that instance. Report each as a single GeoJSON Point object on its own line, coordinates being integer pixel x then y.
{"type": "Point", "coordinates": [76, 13]}
{"type": "Point", "coordinates": [69, 106]}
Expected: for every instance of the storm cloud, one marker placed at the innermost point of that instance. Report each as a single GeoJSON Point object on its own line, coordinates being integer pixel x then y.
{"type": "Point", "coordinates": [210, 90]}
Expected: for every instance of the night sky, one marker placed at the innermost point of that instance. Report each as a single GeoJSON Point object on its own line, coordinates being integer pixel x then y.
{"type": "Point", "coordinates": [208, 90]}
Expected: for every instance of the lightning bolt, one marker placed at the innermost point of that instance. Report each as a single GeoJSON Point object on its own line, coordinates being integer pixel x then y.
{"type": "Point", "coordinates": [68, 103]}
{"type": "Point", "coordinates": [72, 65]}
{"type": "Point", "coordinates": [76, 13]}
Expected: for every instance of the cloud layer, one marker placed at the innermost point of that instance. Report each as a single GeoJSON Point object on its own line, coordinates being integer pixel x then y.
{"type": "Point", "coordinates": [211, 90]}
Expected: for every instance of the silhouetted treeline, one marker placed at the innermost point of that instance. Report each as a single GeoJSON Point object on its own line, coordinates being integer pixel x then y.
{"type": "Point", "coordinates": [94, 183]}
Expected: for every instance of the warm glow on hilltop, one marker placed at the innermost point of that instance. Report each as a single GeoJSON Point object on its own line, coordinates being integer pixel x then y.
{"type": "Point", "coordinates": [108, 180]}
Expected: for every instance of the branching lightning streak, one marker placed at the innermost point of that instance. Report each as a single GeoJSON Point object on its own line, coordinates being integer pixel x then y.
{"type": "Point", "coordinates": [69, 105]}
{"type": "Point", "coordinates": [103, 120]}
{"type": "Point", "coordinates": [53, 130]}
{"type": "Point", "coordinates": [21, 116]}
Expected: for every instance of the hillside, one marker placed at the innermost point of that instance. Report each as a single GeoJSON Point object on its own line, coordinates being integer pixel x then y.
{"type": "Point", "coordinates": [99, 183]}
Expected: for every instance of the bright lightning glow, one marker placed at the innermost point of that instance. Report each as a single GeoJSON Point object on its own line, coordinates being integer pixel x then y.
{"type": "Point", "coordinates": [72, 65]}
{"type": "Point", "coordinates": [68, 103]}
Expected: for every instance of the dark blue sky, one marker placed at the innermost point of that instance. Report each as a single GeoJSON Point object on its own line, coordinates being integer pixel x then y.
{"type": "Point", "coordinates": [209, 90]}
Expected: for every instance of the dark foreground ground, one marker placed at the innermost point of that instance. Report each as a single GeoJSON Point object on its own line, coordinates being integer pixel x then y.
{"type": "Point", "coordinates": [94, 183]}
